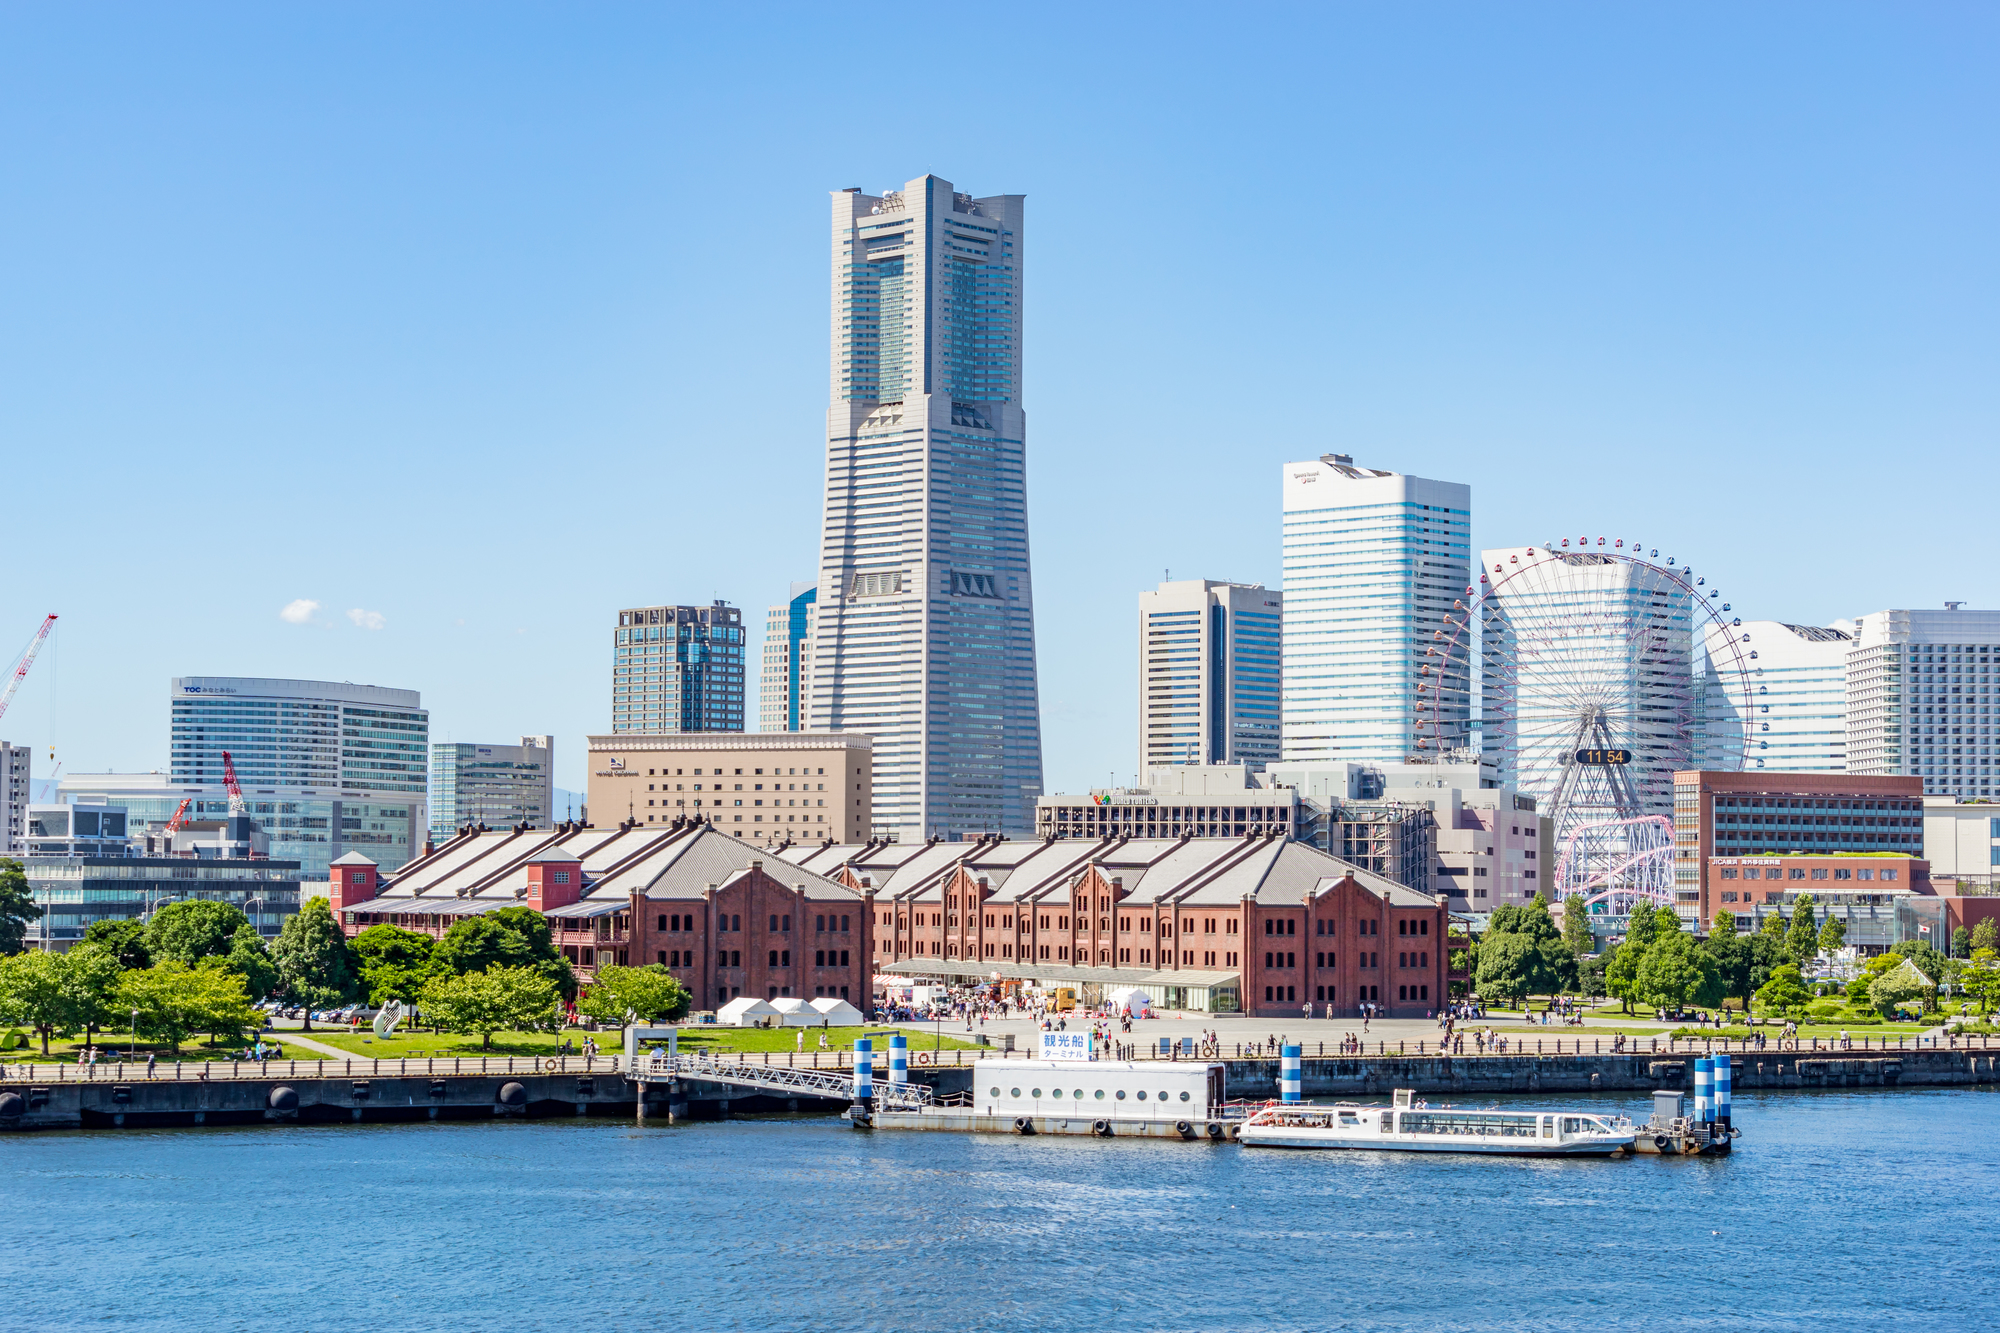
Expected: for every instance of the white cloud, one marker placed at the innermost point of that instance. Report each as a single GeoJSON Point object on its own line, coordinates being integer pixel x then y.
{"type": "Point", "coordinates": [298, 611]}
{"type": "Point", "coordinates": [367, 619]}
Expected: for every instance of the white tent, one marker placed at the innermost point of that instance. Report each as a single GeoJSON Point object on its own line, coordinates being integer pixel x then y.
{"type": "Point", "coordinates": [1131, 997]}
{"type": "Point", "coordinates": [838, 1013]}
{"type": "Point", "coordinates": [795, 1013]}
{"type": "Point", "coordinates": [744, 1012]}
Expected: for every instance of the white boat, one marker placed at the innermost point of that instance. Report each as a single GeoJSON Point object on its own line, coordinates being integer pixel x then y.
{"type": "Point", "coordinates": [1409, 1126]}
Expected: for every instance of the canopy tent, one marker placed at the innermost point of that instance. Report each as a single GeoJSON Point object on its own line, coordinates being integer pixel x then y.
{"type": "Point", "coordinates": [795, 1013]}
{"type": "Point", "coordinates": [1131, 999]}
{"type": "Point", "coordinates": [744, 1012]}
{"type": "Point", "coordinates": [838, 1013]}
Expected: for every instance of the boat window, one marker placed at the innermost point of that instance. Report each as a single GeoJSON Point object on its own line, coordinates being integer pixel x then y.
{"type": "Point", "coordinates": [1186, 1098]}
{"type": "Point", "coordinates": [1079, 1094]}
{"type": "Point", "coordinates": [996, 1092]}
{"type": "Point", "coordinates": [1121, 1094]}
{"type": "Point", "coordinates": [1572, 1125]}
{"type": "Point", "coordinates": [1142, 1096]}
{"type": "Point", "coordinates": [1163, 1096]}
{"type": "Point", "coordinates": [1100, 1094]}
{"type": "Point", "coordinates": [1056, 1093]}
{"type": "Point", "coordinates": [1036, 1093]}
{"type": "Point", "coordinates": [1017, 1092]}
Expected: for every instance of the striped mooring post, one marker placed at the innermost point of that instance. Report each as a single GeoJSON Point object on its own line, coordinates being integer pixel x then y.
{"type": "Point", "coordinates": [1290, 1079]}
{"type": "Point", "coordinates": [899, 1058]}
{"type": "Point", "coordinates": [1704, 1090]}
{"type": "Point", "coordinates": [864, 1070]}
{"type": "Point", "coordinates": [1722, 1091]}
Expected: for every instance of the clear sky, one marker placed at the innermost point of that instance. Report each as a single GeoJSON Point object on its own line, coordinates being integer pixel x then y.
{"type": "Point", "coordinates": [479, 322]}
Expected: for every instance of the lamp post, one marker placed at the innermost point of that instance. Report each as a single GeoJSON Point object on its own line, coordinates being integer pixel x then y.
{"type": "Point", "coordinates": [132, 1047]}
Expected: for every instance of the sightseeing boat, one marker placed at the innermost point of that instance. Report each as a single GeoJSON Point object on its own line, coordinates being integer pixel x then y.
{"type": "Point", "coordinates": [1409, 1127]}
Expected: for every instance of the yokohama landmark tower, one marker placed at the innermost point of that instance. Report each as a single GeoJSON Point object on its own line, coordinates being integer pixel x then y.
{"type": "Point", "coordinates": [925, 633]}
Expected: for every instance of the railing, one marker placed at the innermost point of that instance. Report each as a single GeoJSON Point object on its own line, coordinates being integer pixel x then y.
{"type": "Point", "coordinates": [841, 1063]}
{"type": "Point", "coordinates": [777, 1078]}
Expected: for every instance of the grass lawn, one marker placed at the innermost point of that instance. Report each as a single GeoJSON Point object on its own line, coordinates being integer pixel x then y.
{"type": "Point", "coordinates": [114, 1045]}
{"type": "Point", "coordinates": [695, 1038]}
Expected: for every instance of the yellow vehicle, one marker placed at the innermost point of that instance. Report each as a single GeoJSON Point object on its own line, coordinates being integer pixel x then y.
{"type": "Point", "coordinates": [1062, 999]}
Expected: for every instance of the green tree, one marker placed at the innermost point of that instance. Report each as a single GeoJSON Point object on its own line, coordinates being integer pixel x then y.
{"type": "Point", "coordinates": [124, 936]}
{"type": "Point", "coordinates": [1785, 992]}
{"type": "Point", "coordinates": [174, 1001]}
{"type": "Point", "coordinates": [1522, 953]}
{"type": "Point", "coordinates": [1803, 938]}
{"type": "Point", "coordinates": [1986, 935]}
{"type": "Point", "coordinates": [1961, 943]}
{"type": "Point", "coordinates": [1590, 975]}
{"type": "Point", "coordinates": [651, 992]}
{"type": "Point", "coordinates": [500, 999]}
{"type": "Point", "coordinates": [1735, 965]}
{"type": "Point", "coordinates": [1773, 925]}
{"type": "Point", "coordinates": [1832, 934]}
{"type": "Point", "coordinates": [34, 991]}
{"type": "Point", "coordinates": [1724, 922]}
{"type": "Point", "coordinates": [17, 906]}
{"type": "Point", "coordinates": [1621, 972]}
{"type": "Point", "coordinates": [191, 930]}
{"type": "Point", "coordinates": [1981, 981]}
{"type": "Point", "coordinates": [1676, 972]}
{"type": "Point", "coordinates": [249, 958]}
{"type": "Point", "coordinates": [394, 963]}
{"type": "Point", "coordinates": [1767, 954]}
{"type": "Point", "coordinates": [1639, 925]}
{"type": "Point", "coordinates": [315, 966]}
{"type": "Point", "coordinates": [1929, 961]}
{"type": "Point", "coordinates": [1576, 927]}
{"type": "Point", "coordinates": [509, 937]}
{"type": "Point", "coordinates": [92, 974]}
{"type": "Point", "coordinates": [1899, 986]}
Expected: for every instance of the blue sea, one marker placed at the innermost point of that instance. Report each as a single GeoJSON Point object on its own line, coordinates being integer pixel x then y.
{"type": "Point", "coordinates": [1838, 1211]}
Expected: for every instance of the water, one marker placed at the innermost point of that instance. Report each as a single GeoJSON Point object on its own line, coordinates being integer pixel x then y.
{"type": "Point", "coordinates": [1864, 1210]}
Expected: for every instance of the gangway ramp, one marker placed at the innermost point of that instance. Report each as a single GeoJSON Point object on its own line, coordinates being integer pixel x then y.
{"type": "Point", "coordinates": [664, 1066]}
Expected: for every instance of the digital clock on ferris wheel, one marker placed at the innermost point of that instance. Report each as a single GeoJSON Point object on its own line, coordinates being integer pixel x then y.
{"type": "Point", "coordinates": [1603, 758]}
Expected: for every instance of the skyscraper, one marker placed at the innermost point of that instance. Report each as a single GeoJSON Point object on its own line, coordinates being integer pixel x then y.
{"type": "Point", "coordinates": [784, 691]}
{"type": "Point", "coordinates": [1921, 689]}
{"type": "Point", "coordinates": [1208, 674]}
{"type": "Point", "coordinates": [678, 668]}
{"type": "Point", "coordinates": [17, 771]}
{"type": "Point", "coordinates": [325, 767]}
{"type": "Point", "coordinates": [1373, 562]}
{"type": "Point", "coordinates": [924, 632]}
{"type": "Point", "coordinates": [1797, 700]}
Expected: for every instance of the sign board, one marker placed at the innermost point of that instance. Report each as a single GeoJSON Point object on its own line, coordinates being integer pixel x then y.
{"type": "Point", "coordinates": [1603, 758]}
{"type": "Point", "coordinates": [1064, 1046]}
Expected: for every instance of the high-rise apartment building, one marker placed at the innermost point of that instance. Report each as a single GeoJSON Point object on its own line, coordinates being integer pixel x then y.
{"type": "Point", "coordinates": [326, 767]}
{"type": "Point", "coordinates": [784, 695]}
{"type": "Point", "coordinates": [16, 787]}
{"type": "Point", "coordinates": [678, 668]}
{"type": "Point", "coordinates": [1921, 697]}
{"type": "Point", "coordinates": [1373, 562]}
{"type": "Point", "coordinates": [924, 628]}
{"type": "Point", "coordinates": [1209, 674]}
{"type": "Point", "coordinates": [500, 786]}
{"type": "Point", "coordinates": [1797, 700]}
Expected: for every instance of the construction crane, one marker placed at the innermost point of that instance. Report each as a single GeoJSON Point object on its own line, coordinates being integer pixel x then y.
{"type": "Point", "coordinates": [233, 787]}
{"type": "Point", "coordinates": [27, 660]}
{"type": "Point", "coordinates": [180, 816]}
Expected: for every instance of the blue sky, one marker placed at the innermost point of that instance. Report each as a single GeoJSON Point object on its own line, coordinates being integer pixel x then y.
{"type": "Point", "coordinates": [483, 321]}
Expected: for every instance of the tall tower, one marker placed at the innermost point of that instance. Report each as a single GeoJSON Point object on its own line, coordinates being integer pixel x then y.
{"type": "Point", "coordinates": [1373, 562]}
{"type": "Point", "coordinates": [784, 692]}
{"type": "Point", "coordinates": [924, 633]}
{"type": "Point", "coordinates": [1208, 674]}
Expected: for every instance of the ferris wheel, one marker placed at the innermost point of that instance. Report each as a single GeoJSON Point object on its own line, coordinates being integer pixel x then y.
{"type": "Point", "coordinates": [1601, 671]}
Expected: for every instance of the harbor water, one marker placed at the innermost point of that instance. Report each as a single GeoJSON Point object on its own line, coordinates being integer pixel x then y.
{"type": "Point", "coordinates": [1869, 1209]}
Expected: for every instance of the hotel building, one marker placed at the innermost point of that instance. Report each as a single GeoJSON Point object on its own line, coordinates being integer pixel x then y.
{"type": "Point", "coordinates": [766, 787]}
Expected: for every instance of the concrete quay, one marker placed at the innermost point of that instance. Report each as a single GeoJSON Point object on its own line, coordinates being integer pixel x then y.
{"type": "Point", "coordinates": [387, 1093]}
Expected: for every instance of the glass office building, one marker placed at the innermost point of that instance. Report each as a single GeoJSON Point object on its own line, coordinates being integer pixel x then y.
{"type": "Point", "coordinates": [1209, 674]}
{"type": "Point", "coordinates": [784, 692]}
{"type": "Point", "coordinates": [500, 786]}
{"type": "Point", "coordinates": [677, 668]}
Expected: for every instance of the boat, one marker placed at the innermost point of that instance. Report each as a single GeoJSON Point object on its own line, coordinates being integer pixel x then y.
{"type": "Point", "coordinates": [1409, 1126]}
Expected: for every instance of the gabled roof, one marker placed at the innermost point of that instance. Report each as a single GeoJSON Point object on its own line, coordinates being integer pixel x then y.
{"type": "Point", "coordinates": [353, 859]}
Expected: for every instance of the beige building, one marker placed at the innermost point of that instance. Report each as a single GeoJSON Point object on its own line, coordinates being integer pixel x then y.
{"type": "Point", "coordinates": [768, 787]}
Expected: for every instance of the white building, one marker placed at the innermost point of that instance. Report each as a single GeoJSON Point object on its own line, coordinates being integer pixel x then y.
{"type": "Point", "coordinates": [1798, 700]}
{"type": "Point", "coordinates": [326, 767]}
{"type": "Point", "coordinates": [17, 764]}
{"type": "Point", "coordinates": [1209, 674]}
{"type": "Point", "coordinates": [1373, 562]}
{"type": "Point", "coordinates": [1961, 841]}
{"type": "Point", "coordinates": [924, 627]}
{"type": "Point", "coordinates": [500, 786]}
{"type": "Point", "coordinates": [1921, 698]}
{"type": "Point", "coordinates": [784, 691]}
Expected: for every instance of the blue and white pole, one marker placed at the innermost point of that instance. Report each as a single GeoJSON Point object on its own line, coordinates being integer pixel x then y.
{"type": "Point", "coordinates": [864, 1070]}
{"type": "Point", "coordinates": [899, 1058]}
{"type": "Point", "coordinates": [1704, 1090]}
{"type": "Point", "coordinates": [1290, 1080]}
{"type": "Point", "coordinates": [1722, 1090]}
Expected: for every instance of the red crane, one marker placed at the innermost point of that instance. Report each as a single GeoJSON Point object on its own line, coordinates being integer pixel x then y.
{"type": "Point", "coordinates": [233, 787]}
{"type": "Point", "coordinates": [27, 660]}
{"type": "Point", "coordinates": [180, 816]}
